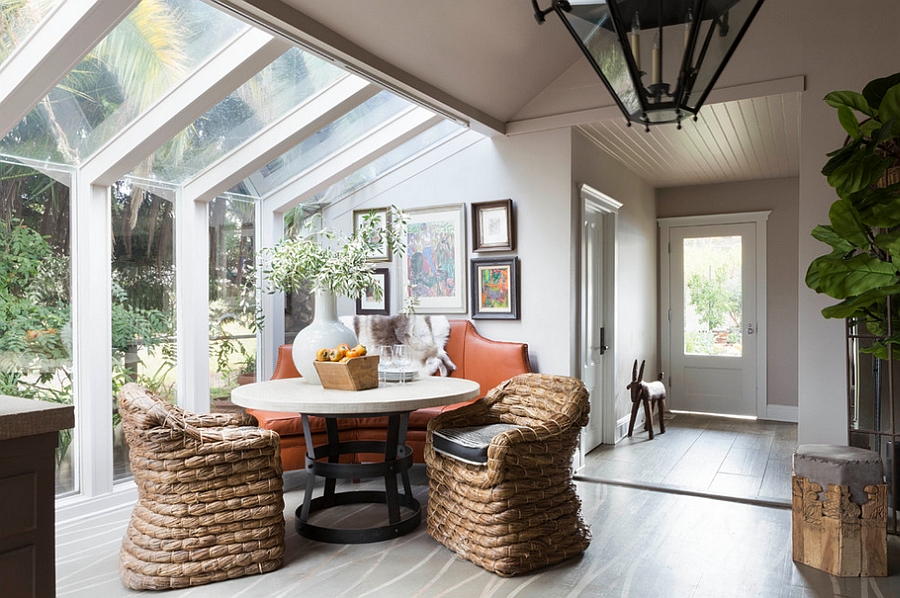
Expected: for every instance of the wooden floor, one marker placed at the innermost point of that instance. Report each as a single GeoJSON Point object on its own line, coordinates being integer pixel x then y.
{"type": "Point", "coordinates": [706, 455]}
{"type": "Point", "coordinates": [646, 543]}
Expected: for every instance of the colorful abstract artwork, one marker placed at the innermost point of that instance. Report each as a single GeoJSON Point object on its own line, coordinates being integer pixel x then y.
{"type": "Point", "coordinates": [434, 269]}
{"type": "Point", "coordinates": [495, 288]}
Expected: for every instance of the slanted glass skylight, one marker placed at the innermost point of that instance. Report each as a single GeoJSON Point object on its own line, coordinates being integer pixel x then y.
{"type": "Point", "coordinates": [277, 89]}
{"type": "Point", "coordinates": [342, 132]}
{"type": "Point", "coordinates": [142, 58]}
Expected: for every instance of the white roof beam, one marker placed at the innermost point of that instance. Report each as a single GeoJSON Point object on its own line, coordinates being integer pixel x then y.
{"type": "Point", "coordinates": [243, 57]}
{"type": "Point", "coordinates": [288, 131]}
{"type": "Point", "coordinates": [347, 160]}
{"type": "Point", "coordinates": [51, 50]}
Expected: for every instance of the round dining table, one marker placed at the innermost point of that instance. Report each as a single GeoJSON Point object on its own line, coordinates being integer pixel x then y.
{"type": "Point", "coordinates": [393, 400]}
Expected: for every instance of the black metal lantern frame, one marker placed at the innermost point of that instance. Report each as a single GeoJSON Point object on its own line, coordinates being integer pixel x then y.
{"type": "Point", "coordinates": [705, 33]}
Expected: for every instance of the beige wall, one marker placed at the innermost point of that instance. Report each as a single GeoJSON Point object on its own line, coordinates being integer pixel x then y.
{"type": "Point", "coordinates": [781, 196]}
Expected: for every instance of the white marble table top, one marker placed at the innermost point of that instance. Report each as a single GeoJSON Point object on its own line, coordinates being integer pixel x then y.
{"type": "Point", "coordinates": [295, 395]}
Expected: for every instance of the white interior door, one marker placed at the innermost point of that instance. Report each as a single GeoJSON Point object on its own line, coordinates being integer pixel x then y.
{"type": "Point", "coordinates": [594, 337]}
{"type": "Point", "coordinates": [713, 322]}
{"type": "Point", "coordinates": [597, 348]}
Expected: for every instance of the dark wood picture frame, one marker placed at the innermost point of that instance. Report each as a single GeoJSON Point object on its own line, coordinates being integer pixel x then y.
{"type": "Point", "coordinates": [497, 296]}
{"type": "Point", "coordinates": [493, 228]}
{"type": "Point", "coordinates": [369, 307]}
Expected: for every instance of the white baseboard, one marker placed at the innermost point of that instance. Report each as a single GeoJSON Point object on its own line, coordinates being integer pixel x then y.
{"type": "Point", "coordinates": [781, 413]}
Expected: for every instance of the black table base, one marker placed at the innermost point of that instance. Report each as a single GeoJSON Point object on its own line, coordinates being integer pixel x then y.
{"type": "Point", "coordinates": [397, 461]}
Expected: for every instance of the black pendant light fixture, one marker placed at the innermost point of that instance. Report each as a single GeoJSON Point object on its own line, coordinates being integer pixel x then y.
{"type": "Point", "coordinates": [659, 59]}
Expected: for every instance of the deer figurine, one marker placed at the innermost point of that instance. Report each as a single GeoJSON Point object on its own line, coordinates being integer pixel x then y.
{"type": "Point", "coordinates": [646, 393]}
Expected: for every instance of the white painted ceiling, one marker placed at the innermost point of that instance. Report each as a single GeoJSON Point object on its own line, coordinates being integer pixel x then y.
{"type": "Point", "coordinates": [491, 55]}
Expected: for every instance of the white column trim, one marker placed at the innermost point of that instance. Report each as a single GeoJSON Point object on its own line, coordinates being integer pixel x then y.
{"type": "Point", "coordinates": [66, 34]}
{"type": "Point", "coordinates": [92, 335]}
{"type": "Point", "coordinates": [269, 230]}
{"type": "Point", "coordinates": [192, 302]}
{"type": "Point", "coordinates": [219, 75]}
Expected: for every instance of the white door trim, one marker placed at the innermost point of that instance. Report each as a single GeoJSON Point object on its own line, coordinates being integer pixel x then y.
{"type": "Point", "coordinates": [757, 218]}
{"type": "Point", "coordinates": [593, 200]}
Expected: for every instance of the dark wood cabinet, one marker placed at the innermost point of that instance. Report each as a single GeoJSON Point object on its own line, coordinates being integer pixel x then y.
{"type": "Point", "coordinates": [28, 438]}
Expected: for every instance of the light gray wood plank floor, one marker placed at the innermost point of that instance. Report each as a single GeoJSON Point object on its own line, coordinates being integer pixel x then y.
{"type": "Point", "coordinates": [646, 544]}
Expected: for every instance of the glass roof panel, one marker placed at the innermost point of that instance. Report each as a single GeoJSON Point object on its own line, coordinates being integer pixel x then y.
{"type": "Point", "coordinates": [146, 55]}
{"type": "Point", "coordinates": [272, 92]}
{"type": "Point", "coordinates": [374, 169]}
{"type": "Point", "coordinates": [349, 128]}
{"type": "Point", "coordinates": [17, 19]}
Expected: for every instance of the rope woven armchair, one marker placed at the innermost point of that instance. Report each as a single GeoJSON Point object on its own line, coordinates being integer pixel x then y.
{"type": "Point", "coordinates": [210, 504]}
{"type": "Point", "coordinates": [519, 511]}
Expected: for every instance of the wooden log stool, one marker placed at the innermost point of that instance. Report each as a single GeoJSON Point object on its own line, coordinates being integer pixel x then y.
{"type": "Point", "coordinates": [845, 531]}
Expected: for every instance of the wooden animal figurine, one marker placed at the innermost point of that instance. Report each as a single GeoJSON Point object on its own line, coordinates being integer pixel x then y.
{"type": "Point", "coordinates": [647, 393]}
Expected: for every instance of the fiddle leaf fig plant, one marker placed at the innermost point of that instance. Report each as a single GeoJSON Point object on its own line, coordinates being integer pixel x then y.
{"type": "Point", "coordinates": [863, 268]}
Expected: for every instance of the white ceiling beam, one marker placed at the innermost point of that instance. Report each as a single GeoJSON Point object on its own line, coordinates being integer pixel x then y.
{"type": "Point", "coordinates": [280, 136]}
{"type": "Point", "coordinates": [243, 57]}
{"type": "Point", "coordinates": [349, 159]}
{"type": "Point", "coordinates": [51, 50]}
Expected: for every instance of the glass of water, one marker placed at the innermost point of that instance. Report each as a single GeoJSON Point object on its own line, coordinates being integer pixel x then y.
{"type": "Point", "coordinates": [402, 359]}
{"type": "Point", "coordinates": [385, 360]}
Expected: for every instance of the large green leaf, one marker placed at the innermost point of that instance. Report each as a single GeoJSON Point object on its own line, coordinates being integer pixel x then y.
{"type": "Point", "coordinates": [876, 89]}
{"type": "Point", "coordinates": [855, 306]}
{"type": "Point", "coordinates": [812, 272]}
{"type": "Point", "coordinates": [842, 278]}
{"type": "Point", "coordinates": [850, 99]}
{"type": "Point", "coordinates": [840, 156]}
{"type": "Point", "coordinates": [890, 242]}
{"type": "Point", "coordinates": [846, 223]}
{"type": "Point", "coordinates": [826, 234]}
{"type": "Point", "coordinates": [848, 120]}
{"type": "Point", "coordinates": [861, 170]}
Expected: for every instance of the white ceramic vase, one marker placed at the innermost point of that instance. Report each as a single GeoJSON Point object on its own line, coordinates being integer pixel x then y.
{"type": "Point", "coordinates": [325, 331]}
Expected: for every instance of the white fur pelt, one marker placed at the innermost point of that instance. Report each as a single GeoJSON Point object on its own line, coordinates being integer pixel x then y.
{"type": "Point", "coordinates": [425, 335]}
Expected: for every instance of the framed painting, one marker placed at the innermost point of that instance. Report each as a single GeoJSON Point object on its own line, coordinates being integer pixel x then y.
{"type": "Point", "coordinates": [495, 288]}
{"type": "Point", "coordinates": [367, 304]}
{"type": "Point", "coordinates": [383, 220]}
{"type": "Point", "coordinates": [492, 226]}
{"type": "Point", "coordinates": [433, 273]}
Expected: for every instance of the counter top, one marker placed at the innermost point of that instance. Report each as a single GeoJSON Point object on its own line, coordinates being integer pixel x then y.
{"type": "Point", "coordinates": [26, 417]}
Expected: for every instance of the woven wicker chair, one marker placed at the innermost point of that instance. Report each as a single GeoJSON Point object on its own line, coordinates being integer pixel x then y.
{"type": "Point", "coordinates": [520, 511]}
{"type": "Point", "coordinates": [210, 503]}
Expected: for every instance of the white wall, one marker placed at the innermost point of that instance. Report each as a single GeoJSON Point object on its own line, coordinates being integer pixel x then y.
{"type": "Point", "coordinates": [636, 293]}
{"type": "Point", "coordinates": [533, 171]}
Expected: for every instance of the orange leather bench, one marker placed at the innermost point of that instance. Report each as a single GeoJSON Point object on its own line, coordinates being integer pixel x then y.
{"type": "Point", "coordinates": [477, 358]}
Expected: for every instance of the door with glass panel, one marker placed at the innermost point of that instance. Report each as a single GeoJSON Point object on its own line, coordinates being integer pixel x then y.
{"type": "Point", "coordinates": [713, 323]}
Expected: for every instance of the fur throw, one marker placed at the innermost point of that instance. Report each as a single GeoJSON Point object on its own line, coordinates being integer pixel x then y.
{"type": "Point", "coordinates": [425, 335]}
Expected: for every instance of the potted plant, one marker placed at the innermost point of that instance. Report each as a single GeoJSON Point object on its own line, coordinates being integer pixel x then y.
{"type": "Point", "coordinates": [330, 263]}
{"type": "Point", "coordinates": [863, 268]}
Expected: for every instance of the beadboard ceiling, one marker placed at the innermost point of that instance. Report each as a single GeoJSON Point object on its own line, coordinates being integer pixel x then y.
{"type": "Point", "coordinates": [740, 140]}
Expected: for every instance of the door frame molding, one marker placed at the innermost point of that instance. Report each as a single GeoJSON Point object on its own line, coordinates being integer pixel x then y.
{"type": "Point", "coordinates": [595, 201]}
{"type": "Point", "coordinates": [665, 227]}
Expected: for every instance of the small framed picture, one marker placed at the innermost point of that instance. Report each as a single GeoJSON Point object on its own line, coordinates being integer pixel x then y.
{"type": "Point", "coordinates": [433, 271]}
{"type": "Point", "coordinates": [367, 304]}
{"type": "Point", "coordinates": [492, 226]}
{"type": "Point", "coordinates": [383, 220]}
{"type": "Point", "coordinates": [495, 288]}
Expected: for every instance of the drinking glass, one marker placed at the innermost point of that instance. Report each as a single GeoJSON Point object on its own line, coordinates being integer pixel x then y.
{"type": "Point", "coordinates": [385, 360]}
{"type": "Point", "coordinates": [402, 359]}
